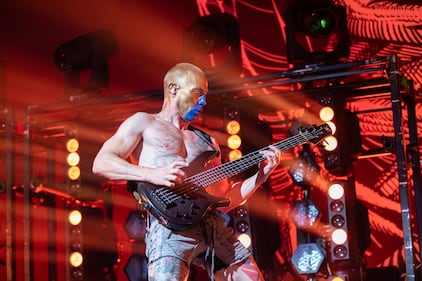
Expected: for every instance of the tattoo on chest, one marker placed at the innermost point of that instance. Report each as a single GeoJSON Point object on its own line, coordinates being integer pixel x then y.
{"type": "Point", "coordinates": [170, 144]}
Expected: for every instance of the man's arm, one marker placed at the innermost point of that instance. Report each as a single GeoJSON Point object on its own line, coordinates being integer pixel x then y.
{"type": "Point", "coordinates": [111, 160]}
{"type": "Point", "coordinates": [242, 190]}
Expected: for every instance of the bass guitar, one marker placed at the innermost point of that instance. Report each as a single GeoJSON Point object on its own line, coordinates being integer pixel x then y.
{"type": "Point", "coordinates": [184, 205]}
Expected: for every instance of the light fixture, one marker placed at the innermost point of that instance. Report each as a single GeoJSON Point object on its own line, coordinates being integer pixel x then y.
{"type": "Point", "coordinates": [307, 258]}
{"type": "Point", "coordinates": [337, 218]}
{"type": "Point", "coordinates": [136, 269]}
{"type": "Point", "coordinates": [213, 43]}
{"type": "Point", "coordinates": [340, 148]}
{"type": "Point", "coordinates": [92, 52]}
{"type": "Point", "coordinates": [316, 31]}
{"type": "Point", "coordinates": [304, 168]}
{"type": "Point", "coordinates": [135, 225]}
{"type": "Point", "coordinates": [305, 213]}
{"type": "Point", "coordinates": [72, 161]}
{"type": "Point", "coordinates": [240, 220]}
{"type": "Point", "coordinates": [233, 130]}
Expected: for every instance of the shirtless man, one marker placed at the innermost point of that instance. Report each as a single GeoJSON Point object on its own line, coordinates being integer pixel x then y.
{"type": "Point", "coordinates": [164, 147]}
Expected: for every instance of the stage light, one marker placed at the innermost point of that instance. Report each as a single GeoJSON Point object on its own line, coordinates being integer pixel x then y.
{"type": "Point", "coordinates": [242, 226]}
{"type": "Point", "coordinates": [339, 236]}
{"type": "Point", "coordinates": [307, 258]}
{"type": "Point", "coordinates": [91, 51]}
{"type": "Point", "coordinates": [234, 142]}
{"type": "Point", "coordinates": [316, 31]}
{"type": "Point", "coordinates": [245, 239]}
{"type": "Point", "coordinates": [239, 219]}
{"type": "Point", "coordinates": [336, 191]}
{"type": "Point", "coordinates": [305, 213]}
{"type": "Point", "coordinates": [234, 154]}
{"type": "Point", "coordinates": [340, 277]}
{"type": "Point", "coordinates": [304, 168]}
{"type": "Point", "coordinates": [233, 127]}
{"type": "Point", "coordinates": [337, 217]}
{"type": "Point", "coordinates": [74, 173]}
{"type": "Point", "coordinates": [326, 113]}
{"type": "Point", "coordinates": [76, 259]}
{"type": "Point", "coordinates": [72, 145]}
{"type": "Point", "coordinates": [75, 217]}
{"type": "Point", "coordinates": [76, 274]}
{"type": "Point", "coordinates": [73, 159]}
{"type": "Point", "coordinates": [233, 130]}
{"type": "Point", "coordinates": [340, 148]}
{"type": "Point", "coordinates": [135, 225]}
{"type": "Point", "coordinates": [136, 268]}
{"type": "Point", "coordinates": [213, 43]}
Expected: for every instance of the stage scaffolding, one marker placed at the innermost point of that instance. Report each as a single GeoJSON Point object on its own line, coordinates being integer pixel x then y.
{"type": "Point", "coordinates": [375, 78]}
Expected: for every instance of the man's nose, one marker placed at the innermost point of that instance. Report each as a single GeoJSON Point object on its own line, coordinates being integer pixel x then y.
{"type": "Point", "coordinates": [202, 100]}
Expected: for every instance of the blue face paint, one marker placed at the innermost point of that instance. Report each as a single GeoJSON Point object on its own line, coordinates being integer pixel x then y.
{"type": "Point", "coordinates": [194, 112]}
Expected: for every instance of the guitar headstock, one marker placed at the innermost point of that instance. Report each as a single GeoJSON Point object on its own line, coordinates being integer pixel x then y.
{"type": "Point", "coordinates": [315, 133]}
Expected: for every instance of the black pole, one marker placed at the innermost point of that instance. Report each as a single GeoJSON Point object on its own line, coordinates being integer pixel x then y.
{"type": "Point", "coordinates": [413, 151]}
{"type": "Point", "coordinates": [401, 167]}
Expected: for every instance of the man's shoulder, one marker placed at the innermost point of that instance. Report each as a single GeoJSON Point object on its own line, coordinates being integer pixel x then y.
{"type": "Point", "coordinates": [142, 116]}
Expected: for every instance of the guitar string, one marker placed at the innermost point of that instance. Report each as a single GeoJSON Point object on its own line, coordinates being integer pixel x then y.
{"type": "Point", "coordinates": [213, 175]}
{"type": "Point", "coordinates": [203, 179]}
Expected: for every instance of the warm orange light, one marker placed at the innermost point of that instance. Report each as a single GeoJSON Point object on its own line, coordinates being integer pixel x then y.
{"type": "Point", "coordinates": [245, 239]}
{"type": "Point", "coordinates": [72, 145]}
{"type": "Point", "coordinates": [235, 154]}
{"type": "Point", "coordinates": [73, 159]}
{"type": "Point", "coordinates": [234, 142]}
{"type": "Point", "coordinates": [339, 236]}
{"type": "Point", "coordinates": [335, 191]}
{"type": "Point", "coordinates": [74, 173]}
{"type": "Point", "coordinates": [330, 143]}
{"type": "Point", "coordinates": [338, 278]}
{"type": "Point", "coordinates": [333, 127]}
{"type": "Point", "coordinates": [75, 217]}
{"type": "Point", "coordinates": [233, 127]}
{"type": "Point", "coordinates": [76, 259]}
{"type": "Point", "coordinates": [326, 114]}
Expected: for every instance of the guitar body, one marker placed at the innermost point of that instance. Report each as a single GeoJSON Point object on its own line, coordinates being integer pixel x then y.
{"type": "Point", "coordinates": [184, 212]}
{"type": "Point", "coordinates": [180, 210]}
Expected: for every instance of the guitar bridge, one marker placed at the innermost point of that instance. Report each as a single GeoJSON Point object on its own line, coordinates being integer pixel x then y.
{"type": "Point", "coordinates": [161, 196]}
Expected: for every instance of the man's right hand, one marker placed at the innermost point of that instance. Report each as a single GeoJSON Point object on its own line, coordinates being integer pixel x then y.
{"type": "Point", "coordinates": [169, 176]}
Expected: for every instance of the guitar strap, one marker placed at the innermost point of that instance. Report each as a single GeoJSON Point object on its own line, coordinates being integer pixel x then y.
{"type": "Point", "coordinates": [205, 137]}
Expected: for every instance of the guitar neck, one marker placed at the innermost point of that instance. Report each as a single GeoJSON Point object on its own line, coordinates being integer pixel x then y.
{"type": "Point", "coordinates": [229, 169]}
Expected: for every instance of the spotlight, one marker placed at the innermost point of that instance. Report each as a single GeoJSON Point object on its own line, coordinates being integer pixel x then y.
{"type": "Point", "coordinates": [305, 213]}
{"type": "Point", "coordinates": [217, 35]}
{"type": "Point", "coordinates": [136, 225]}
{"type": "Point", "coordinates": [304, 169]}
{"type": "Point", "coordinates": [91, 51]}
{"type": "Point", "coordinates": [311, 29]}
{"type": "Point", "coordinates": [136, 268]}
{"type": "Point", "coordinates": [307, 258]}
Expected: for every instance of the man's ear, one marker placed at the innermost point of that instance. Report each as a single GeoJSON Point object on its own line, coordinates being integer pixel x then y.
{"type": "Point", "coordinates": [173, 87]}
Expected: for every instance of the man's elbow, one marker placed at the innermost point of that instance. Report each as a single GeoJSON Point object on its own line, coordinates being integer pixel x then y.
{"type": "Point", "coordinates": [97, 168]}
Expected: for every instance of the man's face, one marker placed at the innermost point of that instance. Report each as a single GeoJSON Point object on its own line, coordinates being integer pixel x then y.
{"type": "Point", "coordinates": [191, 98]}
{"type": "Point", "coordinates": [190, 103]}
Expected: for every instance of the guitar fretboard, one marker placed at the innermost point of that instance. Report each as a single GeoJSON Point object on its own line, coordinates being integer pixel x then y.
{"type": "Point", "coordinates": [229, 169]}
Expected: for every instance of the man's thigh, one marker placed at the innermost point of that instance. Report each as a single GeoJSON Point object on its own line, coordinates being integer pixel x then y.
{"type": "Point", "coordinates": [168, 269]}
{"type": "Point", "coordinates": [244, 271]}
